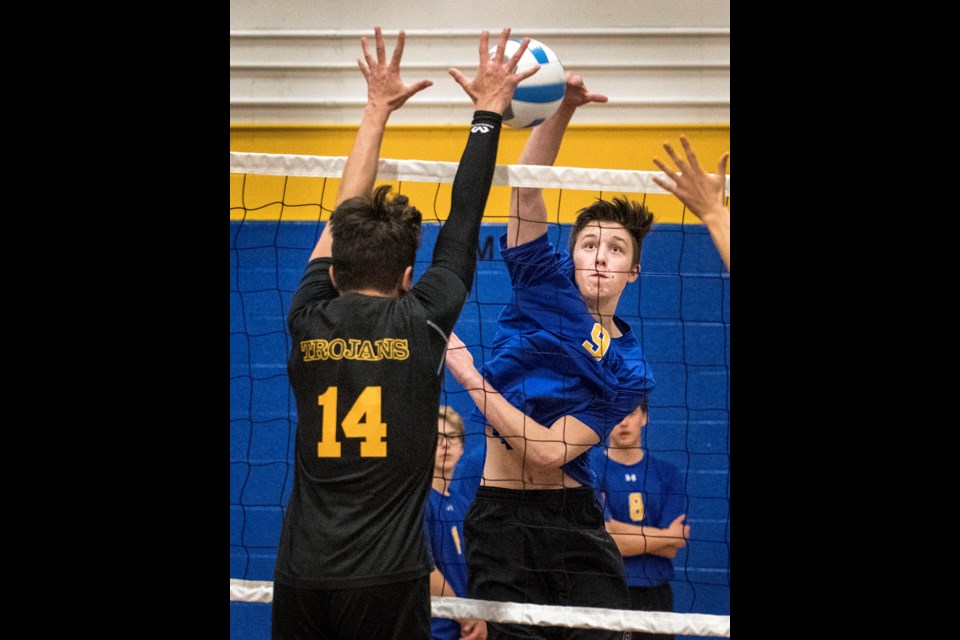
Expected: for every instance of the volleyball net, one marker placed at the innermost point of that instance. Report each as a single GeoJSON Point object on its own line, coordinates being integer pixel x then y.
{"type": "Point", "coordinates": [680, 307]}
{"type": "Point", "coordinates": [690, 624]}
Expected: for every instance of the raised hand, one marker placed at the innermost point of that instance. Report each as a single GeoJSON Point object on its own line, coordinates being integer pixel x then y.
{"type": "Point", "coordinates": [496, 79]}
{"type": "Point", "coordinates": [385, 88]}
{"type": "Point", "coordinates": [577, 95]}
{"type": "Point", "coordinates": [386, 93]}
{"type": "Point", "coordinates": [701, 192]}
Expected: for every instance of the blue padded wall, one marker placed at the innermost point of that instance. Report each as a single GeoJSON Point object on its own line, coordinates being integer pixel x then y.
{"type": "Point", "coordinates": [680, 305]}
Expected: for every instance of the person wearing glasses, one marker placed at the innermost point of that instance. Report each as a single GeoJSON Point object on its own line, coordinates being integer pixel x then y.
{"type": "Point", "coordinates": [443, 526]}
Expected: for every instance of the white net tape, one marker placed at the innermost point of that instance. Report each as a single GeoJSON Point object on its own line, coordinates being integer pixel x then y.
{"type": "Point", "coordinates": [693, 624]}
{"type": "Point", "coordinates": [508, 175]}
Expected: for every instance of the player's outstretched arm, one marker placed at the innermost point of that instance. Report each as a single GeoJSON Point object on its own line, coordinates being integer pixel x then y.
{"type": "Point", "coordinates": [540, 447]}
{"type": "Point", "coordinates": [491, 91]}
{"type": "Point", "coordinates": [386, 92]}
{"type": "Point", "coordinates": [702, 193]}
{"type": "Point", "coordinates": [528, 212]}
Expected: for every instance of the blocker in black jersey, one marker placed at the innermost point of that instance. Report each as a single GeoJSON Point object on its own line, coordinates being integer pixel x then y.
{"type": "Point", "coordinates": [366, 371]}
{"type": "Point", "coordinates": [366, 375]}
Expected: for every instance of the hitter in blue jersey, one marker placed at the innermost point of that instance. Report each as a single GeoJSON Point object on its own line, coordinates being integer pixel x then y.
{"type": "Point", "coordinates": [563, 371]}
{"type": "Point", "coordinates": [443, 526]}
{"type": "Point", "coordinates": [645, 503]}
{"type": "Point", "coordinates": [552, 358]}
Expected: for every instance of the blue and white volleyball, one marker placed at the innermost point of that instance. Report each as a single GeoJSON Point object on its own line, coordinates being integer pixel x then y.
{"type": "Point", "coordinates": [539, 96]}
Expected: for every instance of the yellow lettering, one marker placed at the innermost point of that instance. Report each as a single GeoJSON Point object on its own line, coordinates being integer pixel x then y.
{"type": "Point", "coordinates": [337, 349]}
{"type": "Point", "coordinates": [351, 353]}
{"type": "Point", "coordinates": [328, 447]}
{"type": "Point", "coordinates": [456, 539]}
{"type": "Point", "coordinates": [308, 347]}
{"type": "Point", "coordinates": [362, 421]}
{"type": "Point", "coordinates": [384, 348]}
{"type": "Point", "coordinates": [366, 352]}
{"type": "Point", "coordinates": [600, 342]}
{"type": "Point", "coordinates": [354, 349]}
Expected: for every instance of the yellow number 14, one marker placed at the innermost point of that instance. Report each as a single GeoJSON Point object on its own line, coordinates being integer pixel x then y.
{"type": "Point", "coordinates": [362, 421]}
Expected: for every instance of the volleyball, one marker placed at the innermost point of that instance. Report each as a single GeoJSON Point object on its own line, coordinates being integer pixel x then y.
{"type": "Point", "coordinates": [539, 96]}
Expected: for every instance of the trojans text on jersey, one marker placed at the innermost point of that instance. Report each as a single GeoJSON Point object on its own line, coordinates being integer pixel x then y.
{"type": "Point", "coordinates": [351, 349]}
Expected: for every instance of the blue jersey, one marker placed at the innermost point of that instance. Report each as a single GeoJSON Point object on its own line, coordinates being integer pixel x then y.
{"type": "Point", "coordinates": [443, 525]}
{"type": "Point", "coordinates": [551, 358]}
{"type": "Point", "coordinates": [648, 493]}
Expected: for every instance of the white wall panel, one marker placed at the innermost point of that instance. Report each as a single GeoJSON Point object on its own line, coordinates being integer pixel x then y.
{"type": "Point", "coordinates": [475, 14]}
{"type": "Point", "coordinates": [284, 73]}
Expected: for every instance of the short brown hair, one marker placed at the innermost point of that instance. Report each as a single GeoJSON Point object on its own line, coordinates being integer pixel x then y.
{"type": "Point", "coordinates": [375, 239]}
{"type": "Point", "coordinates": [635, 218]}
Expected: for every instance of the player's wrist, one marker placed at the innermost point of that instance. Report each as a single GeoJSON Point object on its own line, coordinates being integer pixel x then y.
{"type": "Point", "coordinates": [487, 116]}
{"type": "Point", "coordinates": [473, 382]}
{"type": "Point", "coordinates": [377, 111]}
{"type": "Point", "coordinates": [711, 215]}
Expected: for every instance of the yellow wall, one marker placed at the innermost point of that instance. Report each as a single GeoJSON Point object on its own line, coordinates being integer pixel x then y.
{"type": "Point", "coordinates": [629, 147]}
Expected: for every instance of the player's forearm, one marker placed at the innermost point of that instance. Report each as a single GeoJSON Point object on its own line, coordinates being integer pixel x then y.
{"type": "Point", "coordinates": [635, 540]}
{"type": "Point", "coordinates": [439, 585]}
{"type": "Point", "coordinates": [360, 169]}
{"type": "Point", "coordinates": [543, 145]}
{"type": "Point", "coordinates": [717, 221]}
{"type": "Point", "coordinates": [537, 446]}
{"type": "Point", "coordinates": [528, 212]}
{"type": "Point", "coordinates": [456, 246]}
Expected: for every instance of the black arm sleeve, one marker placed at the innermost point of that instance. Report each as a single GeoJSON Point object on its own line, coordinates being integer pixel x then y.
{"type": "Point", "coordinates": [315, 285]}
{"type": "Point", "coordinates": [456, 247]}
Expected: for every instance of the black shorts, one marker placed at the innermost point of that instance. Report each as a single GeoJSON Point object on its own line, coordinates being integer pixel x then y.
{"type": "Point", "coordinates": [652, 599]}
{"type": "Point", "coordinates": [396, 611]}
{"type": "Point", "coordinates": [543, 547]}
